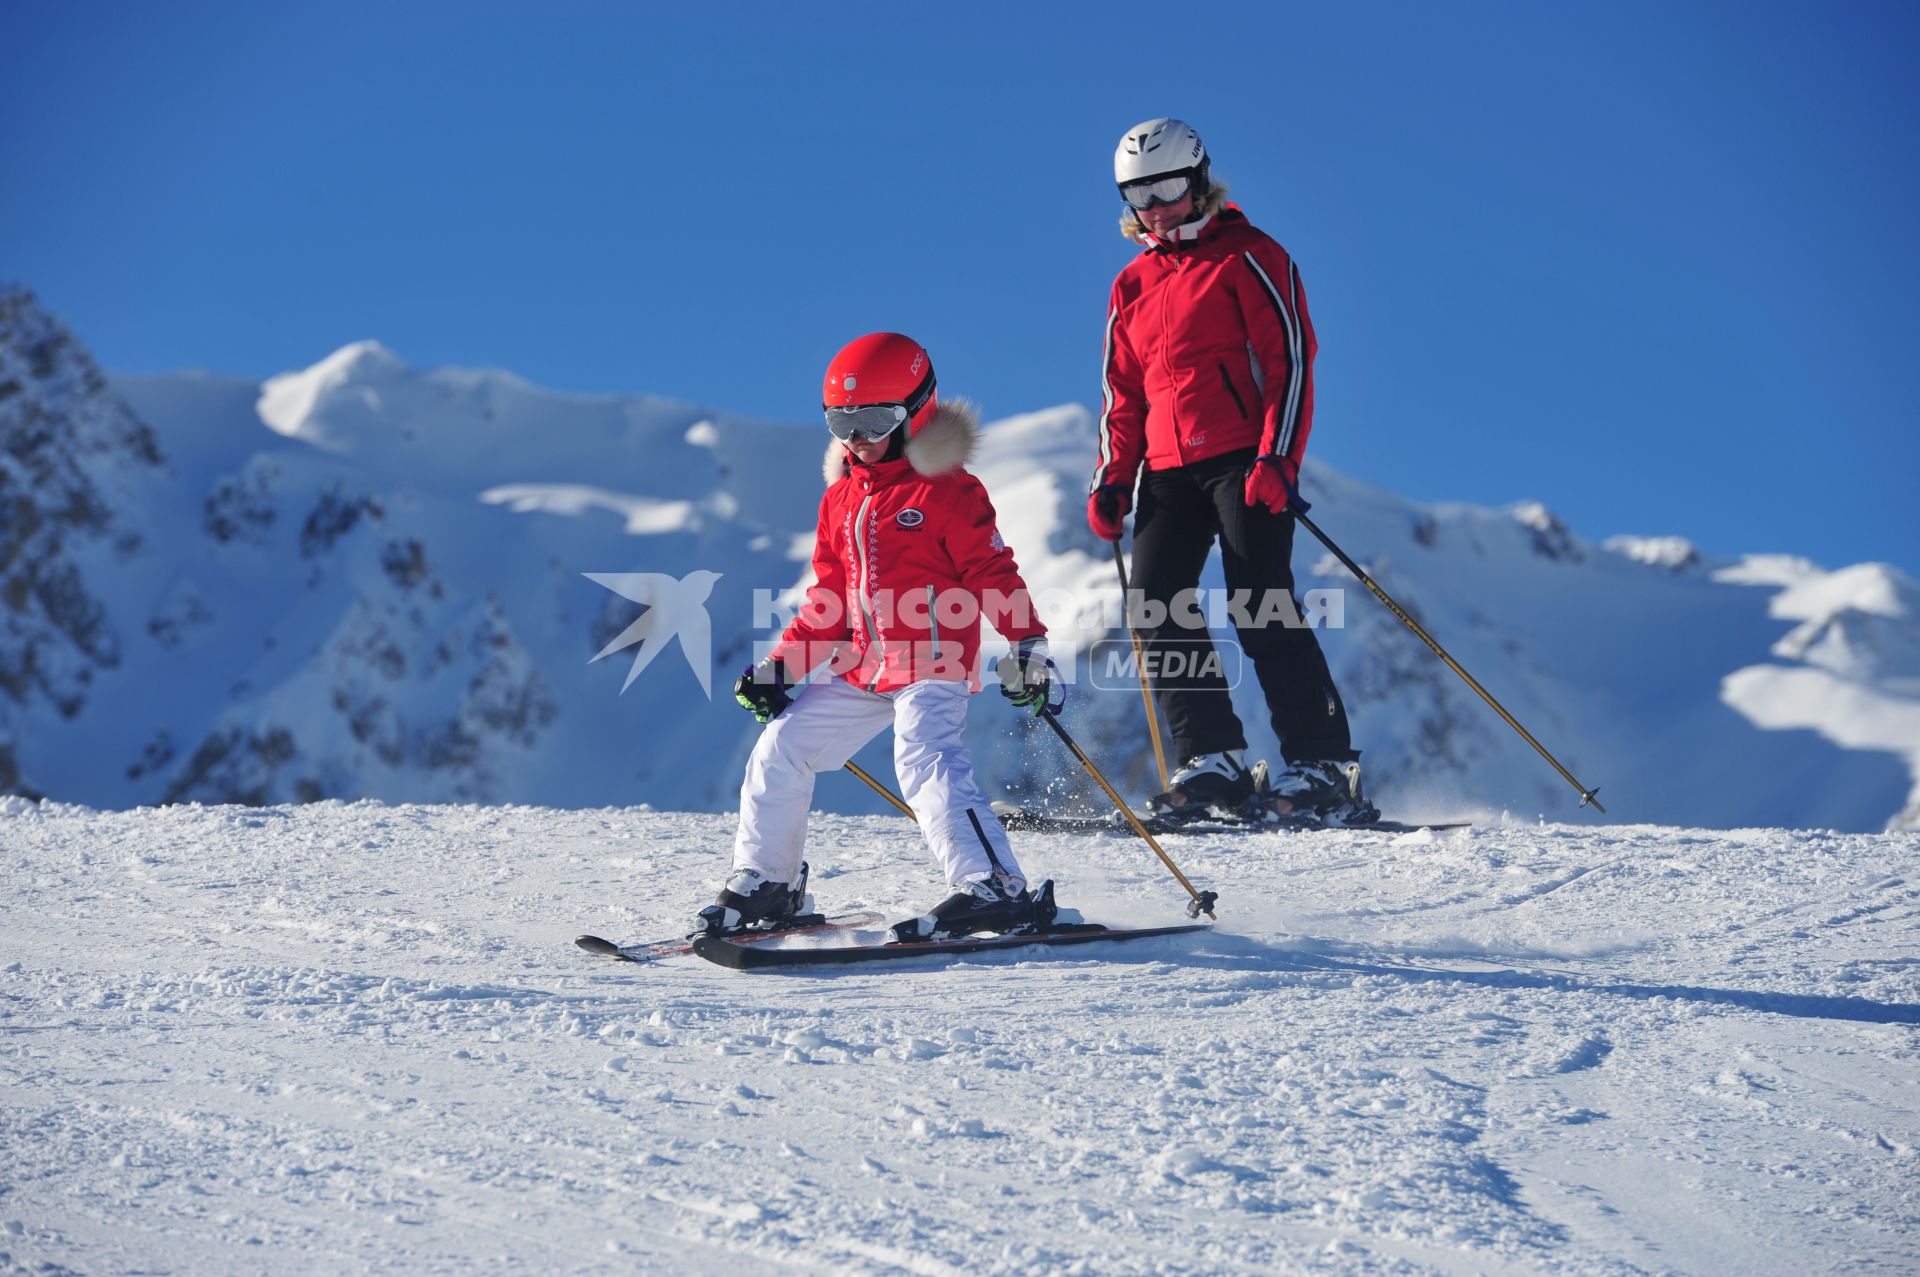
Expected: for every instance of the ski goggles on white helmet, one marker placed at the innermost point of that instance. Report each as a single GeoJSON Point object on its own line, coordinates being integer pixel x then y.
{"type": "Point", "coordinates": [1145, 194]}
{"type": "Point", "coordinates": [865, 421]}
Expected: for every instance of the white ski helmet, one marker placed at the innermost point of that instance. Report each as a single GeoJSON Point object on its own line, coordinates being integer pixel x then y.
{"type": "Point", "coordinates": [1161, 148]}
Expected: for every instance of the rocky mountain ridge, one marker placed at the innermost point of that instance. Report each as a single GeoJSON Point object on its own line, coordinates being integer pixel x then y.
{"type": "Point", "coordinates": [365, 580]}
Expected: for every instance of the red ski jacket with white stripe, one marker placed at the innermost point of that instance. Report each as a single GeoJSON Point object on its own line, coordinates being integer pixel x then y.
{"type": "Point", "coordinates": [1209, 350]}
{"type": "Point", "coordinates": [907, 561]}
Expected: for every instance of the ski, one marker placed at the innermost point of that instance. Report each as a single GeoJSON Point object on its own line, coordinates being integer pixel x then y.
{"type": "Point", "coordinates": [650, 950]}
{"type": "Point", "coordinates": [750, 954]}
{"type": "Point", "coordinates": [1020, 818]}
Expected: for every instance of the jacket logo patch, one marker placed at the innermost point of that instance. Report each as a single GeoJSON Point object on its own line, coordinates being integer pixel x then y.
{"type": "Point", "coordinates": [909, 518]}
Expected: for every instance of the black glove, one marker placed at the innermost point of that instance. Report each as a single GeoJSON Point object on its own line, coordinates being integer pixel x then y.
{"type": "Point", "coordinates": [1027, 677]}
{"type": "Point", "coordinates": [762, 690]}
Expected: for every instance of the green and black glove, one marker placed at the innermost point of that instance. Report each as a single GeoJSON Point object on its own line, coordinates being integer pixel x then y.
{"type": "Point", "coordinates": [1029, 679]}
{"type": "Point", "coordinates": [762, 690]}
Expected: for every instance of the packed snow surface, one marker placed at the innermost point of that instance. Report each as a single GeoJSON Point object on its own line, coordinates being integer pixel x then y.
{"type": "Point", "coordinates": [358, 1038]}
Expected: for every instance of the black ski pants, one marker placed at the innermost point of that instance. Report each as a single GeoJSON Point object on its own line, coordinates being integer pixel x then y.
{"type": "Point", "coordinates": [1182, 511]}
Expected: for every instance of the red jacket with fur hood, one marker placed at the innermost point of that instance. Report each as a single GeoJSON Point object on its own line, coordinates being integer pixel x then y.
{"type": "Point", "coordinates": [1209, 350]}
{"type": "Point", "coordinates": [906, 560]}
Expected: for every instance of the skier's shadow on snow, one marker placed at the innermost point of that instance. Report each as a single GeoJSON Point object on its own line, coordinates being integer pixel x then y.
{"type": "Point", "coordinates": [1238, 952]}
{"type": "Point", "coordinates": [1226, 951]}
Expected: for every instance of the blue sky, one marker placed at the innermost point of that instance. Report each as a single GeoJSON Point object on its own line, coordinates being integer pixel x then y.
{"type": "Point", "coordinates": [1653, 264]}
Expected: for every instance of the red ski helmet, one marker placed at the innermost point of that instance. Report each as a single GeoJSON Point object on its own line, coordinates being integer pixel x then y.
{"type": "Point", "coordinates": [879, 370]}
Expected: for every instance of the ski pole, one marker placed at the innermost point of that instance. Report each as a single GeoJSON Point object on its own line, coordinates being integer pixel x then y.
{"type": "Point", "coordinates": [1140, 664]}
{"type": "Point", "coordinates": [1300, 508]}
{"type": "Point", "coordinates": [1203, 901]}
{"type": "Point", "coordinates": [881, 790]}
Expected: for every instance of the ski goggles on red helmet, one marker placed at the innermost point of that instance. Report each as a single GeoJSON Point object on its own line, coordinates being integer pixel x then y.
{"type": "Point", "coordinates": [1144, 194]}
{"type": "Point", "coordinates": [866, 421]}
{"type": "Point", "coordinates": [876, 420]}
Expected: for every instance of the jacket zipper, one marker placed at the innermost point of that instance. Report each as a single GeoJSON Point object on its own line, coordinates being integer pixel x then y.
{"type": "Point", "coordinates": [1166, 357]}
{"type": "Point", "coordinates": [1238, 402]}
{"type": "Point", "coordinates": [865, 591]}
{"type": "Point", "coordinates": [933, 623]}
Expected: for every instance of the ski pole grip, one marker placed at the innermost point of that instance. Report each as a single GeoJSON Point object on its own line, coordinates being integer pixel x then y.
{"type": "Point", "coordinates": [1295, 501]}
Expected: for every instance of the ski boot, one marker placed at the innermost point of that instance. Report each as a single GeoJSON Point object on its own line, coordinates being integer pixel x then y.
{"type": "Point", "coordinates": [1208, 785]}
{"type": "Point", "coordinates": [1325, 792]}
{"type": "Point", "coordinates": [986, 905]}
{"type": "Point", "coordinates": [749, 902]}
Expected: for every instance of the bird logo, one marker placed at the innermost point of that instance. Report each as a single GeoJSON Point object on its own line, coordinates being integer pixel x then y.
{"type": "Point", "coordinates": [676, 609]}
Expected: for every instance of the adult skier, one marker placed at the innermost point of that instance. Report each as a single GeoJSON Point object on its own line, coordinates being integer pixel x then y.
{"type": "Point", "coordinates": [907, 559]}
{"type": "Point", "coordinates": [1208, 384]}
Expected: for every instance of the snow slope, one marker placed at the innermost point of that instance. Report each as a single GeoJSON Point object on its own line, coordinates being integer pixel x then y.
{"type": "Point", "coordinates": [363, 579]}
{"type": "Point", "coordinates": [357, 1038]}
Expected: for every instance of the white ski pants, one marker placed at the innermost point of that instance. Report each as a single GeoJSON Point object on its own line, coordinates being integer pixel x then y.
{"type": "Point", "coordinates": [825, 726]}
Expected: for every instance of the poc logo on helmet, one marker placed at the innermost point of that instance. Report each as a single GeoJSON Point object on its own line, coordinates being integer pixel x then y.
{"type": "Point", "coordinates": [909, 518]}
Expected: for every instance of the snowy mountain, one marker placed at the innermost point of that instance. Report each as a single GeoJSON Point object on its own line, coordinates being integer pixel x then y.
{"type": "Point", "coordinates": [363, 579]}
{"type": "Point", "coordinates": [72, 459]}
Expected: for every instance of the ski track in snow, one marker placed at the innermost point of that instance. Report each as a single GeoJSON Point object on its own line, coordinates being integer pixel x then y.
{"type": "Point", "coordinates": [358, 1038]}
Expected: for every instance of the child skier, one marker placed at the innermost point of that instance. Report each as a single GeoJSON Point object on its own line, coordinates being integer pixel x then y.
{"type": "Point", "coordinates": [907, 559]}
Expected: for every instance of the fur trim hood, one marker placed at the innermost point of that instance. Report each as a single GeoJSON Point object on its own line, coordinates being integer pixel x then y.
{"type": "Point", "coordinates": [944, 444]}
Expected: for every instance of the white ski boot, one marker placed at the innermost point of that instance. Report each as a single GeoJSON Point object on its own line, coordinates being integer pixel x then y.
{"type": "Point", "coordinates": [1217, 784]}
{"type": "Point", "coordinates": [989, 904]}
{"type": "Point", "coordinates": [749, 902]}
{"type": "Point", "coordinates": [1322, 792]}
